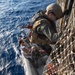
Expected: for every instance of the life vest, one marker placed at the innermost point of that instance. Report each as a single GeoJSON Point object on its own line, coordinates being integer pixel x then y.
{"type": "Point", "coordinates": [39, 38]}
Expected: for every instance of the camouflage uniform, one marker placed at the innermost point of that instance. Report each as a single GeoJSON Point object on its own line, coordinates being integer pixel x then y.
{"type": "Point", "coordinates": [46, 33]}
{"type": "Point", "coordinates": [44, 30]}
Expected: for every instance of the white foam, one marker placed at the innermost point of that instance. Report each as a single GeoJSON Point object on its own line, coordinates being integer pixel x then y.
{"type": "Point", "coordinates": [7, 32]}
{"type": "Point", "coordinates": [1, 35]}
{"type": "Point", "coordinates": [1, 68]}
{"type": "Point", "coordinates": [15, 48]}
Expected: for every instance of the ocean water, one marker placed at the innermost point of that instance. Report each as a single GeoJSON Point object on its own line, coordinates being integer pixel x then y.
{"type": "Point", "coordinates": [13, 15]}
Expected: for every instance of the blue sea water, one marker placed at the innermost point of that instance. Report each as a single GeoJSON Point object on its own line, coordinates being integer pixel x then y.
{"type": "Point", "coordinates": [13, 15]}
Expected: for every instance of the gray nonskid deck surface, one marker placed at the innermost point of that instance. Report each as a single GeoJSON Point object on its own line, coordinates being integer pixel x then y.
{"type": "Point", "coordinates": [40, 69]}
{"type": "Point", "coordinates": [34, 70]}
{"type": "Point", "coordinates": [29, 67]}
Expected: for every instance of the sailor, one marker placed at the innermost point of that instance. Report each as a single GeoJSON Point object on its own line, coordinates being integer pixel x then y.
{"type": "Point", "coordinates": [35, 55]}
{"type": "Point", "coordinates": [25, 47]}
{"type": "Point", "coordinates": [44, 30]}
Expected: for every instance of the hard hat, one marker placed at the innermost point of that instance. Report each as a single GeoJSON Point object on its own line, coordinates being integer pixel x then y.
{"type": "Point", "coordinates": [54, 8]}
